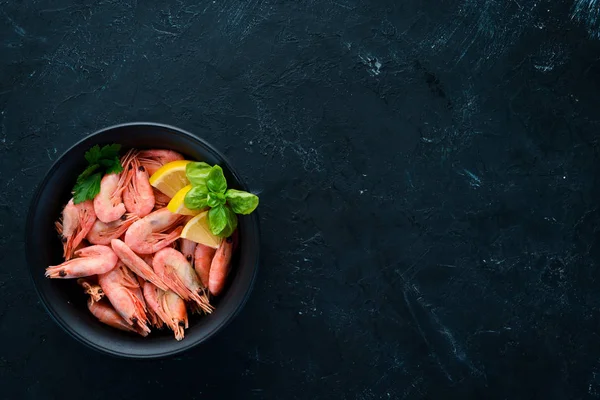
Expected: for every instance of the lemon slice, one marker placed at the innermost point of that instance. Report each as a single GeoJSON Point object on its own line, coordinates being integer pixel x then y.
{"type": "Point", "coordinates": [197, 230]}
{"type": "Point", "coordinates": [170, 178]}
{"type": "Point", "coordinates": [176, 205]}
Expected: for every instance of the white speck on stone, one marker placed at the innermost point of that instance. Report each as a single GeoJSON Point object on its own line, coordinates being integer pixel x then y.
{"type": "Point", "coordinates": [299, 312]}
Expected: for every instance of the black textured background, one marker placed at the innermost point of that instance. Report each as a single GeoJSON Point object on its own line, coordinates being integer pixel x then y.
{"type": "Point", "coordinates": [428, 182]}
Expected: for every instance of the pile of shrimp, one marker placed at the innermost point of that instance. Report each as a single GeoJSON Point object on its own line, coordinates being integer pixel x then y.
{"type": "Point", "coordinates": [125, 251]}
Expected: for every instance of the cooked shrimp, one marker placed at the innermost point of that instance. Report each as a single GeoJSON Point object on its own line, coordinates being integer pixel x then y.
{"type": "Point", "coordinates": [219, 267]}
{"type": "Point", "coordinates": [108, 315]}
{"type": "Point", "coordinates": [160, 199]}
{"type": "Point", "coordinates": [174, 308]}
{"type": "Point", "coordinates": [138, 195]}
{"type": "Point", "coordinates": [155, 313]}
{"type": "Point", "coordinates": [153, 159]}
{"type": "Point", "coordinates": [93, 289]}
{"type": "Point", "coordinates": [102, 233]}
{"type": "Point", "coordinates": [123, 290]}
{"type": "Point", "coordinates": [146, 235]}
{"type": "Point", "coordinates": [187, 248]}
{"type": "Point", "coordinates": [108, 204]}
{"type": "Point", "coordinates": [136, 263]}
{"type": "Point", "coordinates": [75, 223]}
{"type": "Point", "coordinates": [180, 277]}
{"type": "Point", "coordinates": [92, 260]}
{"type": "Point", "coordinates": [203, 257]}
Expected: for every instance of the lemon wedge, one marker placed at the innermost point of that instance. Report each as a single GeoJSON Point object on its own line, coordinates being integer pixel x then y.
{"type": "Point", "coordinates": [176, 205]}
{"type": "Point", "coordinates": [170, 178]}
{"type": "Point", "coordinates": [197, 230]}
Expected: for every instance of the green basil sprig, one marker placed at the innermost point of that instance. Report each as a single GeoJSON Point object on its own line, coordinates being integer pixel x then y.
{"type": "Point", "coordinates": [209, 189]}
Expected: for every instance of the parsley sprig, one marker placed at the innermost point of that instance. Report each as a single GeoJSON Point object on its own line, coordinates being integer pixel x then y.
{"type": "Point", "coordinates": [101, 161]}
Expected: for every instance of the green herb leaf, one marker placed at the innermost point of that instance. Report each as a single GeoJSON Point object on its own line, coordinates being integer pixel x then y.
{"type": "Point", "coordinates": [196, 198]}
{"type": "Point", "coordinates": [88, 171]}
{"type": "Point", "coordinates": [215, 199]}
{"type": "Point", "coordinates": [101, 161]}
{"type": "Point", "coordinates": [87, 188]}
{"type": "Point", "coordinates": [216, 181]}
{"type": "Point", "coordinates": [241, 202]}
{"type": "Point", "coordinates": [111, 151]}
{"type": "Point", "coordinates": [222, 221]}
{"type": "Point", "coordinates": [93, 155]}
{"type": "Point", "coordinates": [115, 167]}
{"type": "Point", "coordinates": [197, 172]}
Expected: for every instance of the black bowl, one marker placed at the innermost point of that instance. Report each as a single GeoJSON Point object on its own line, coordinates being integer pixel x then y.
{"type": "Point", "coordinates": [64, 299]}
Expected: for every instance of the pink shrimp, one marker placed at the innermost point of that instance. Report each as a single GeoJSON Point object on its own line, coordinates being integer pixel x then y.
{"type": "Point", "coordinates": [124, 293]}
{"type": "Point", "coordinates": [180, 277]}
{"type": "Point", "coordinates": [220, 266]}
{"type": "Point", "coordinates": [92, 260]}
{"type": "Point", "coordinates": [203, 257]}
{"type": "Point", "coordinates": [169, 307]}
{"type": "Point", "coordinates": [146, 235]}
{"type": "Point", "coordinates": [102, 233]}
{"type": "Point", "coordinates": [108, 204]}
{"type": "Point", "coordinates": [160, 199]}
{"type": "Point", "coordinates": [153, 159]}
{"type": "Point", "coordinates": [187, 248]}
{"type": "Point", "coordinates": [75, 223]}
{"type": "Point", "coordinates": [136, 263]}
{"type": "Point", "coordinates": [174, 308]}
{"type": "Point", "coordinates": [138, 195]}
{"type": "Point", "coordinates": [109, 316]}
{"type": "Point", "coordinates": [154, 311]}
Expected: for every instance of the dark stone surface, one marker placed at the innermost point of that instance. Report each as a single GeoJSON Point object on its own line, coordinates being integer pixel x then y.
{"type": "Point", "coordinates": [428, 182]}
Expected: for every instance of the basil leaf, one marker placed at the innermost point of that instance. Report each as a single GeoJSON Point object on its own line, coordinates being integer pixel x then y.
{"type": "Point", "coordinates": [215, 199]}
{"type": "Point", "coordinates": [241, 202]}
{"type": "Point", "coordinates": [216, 181]}
{"type": "Point", "coordinates": [197, 172]}
{"type": "Point", "coordinates": [196, 198]}
{"type": "Point", "coordinates": [222, 221]}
